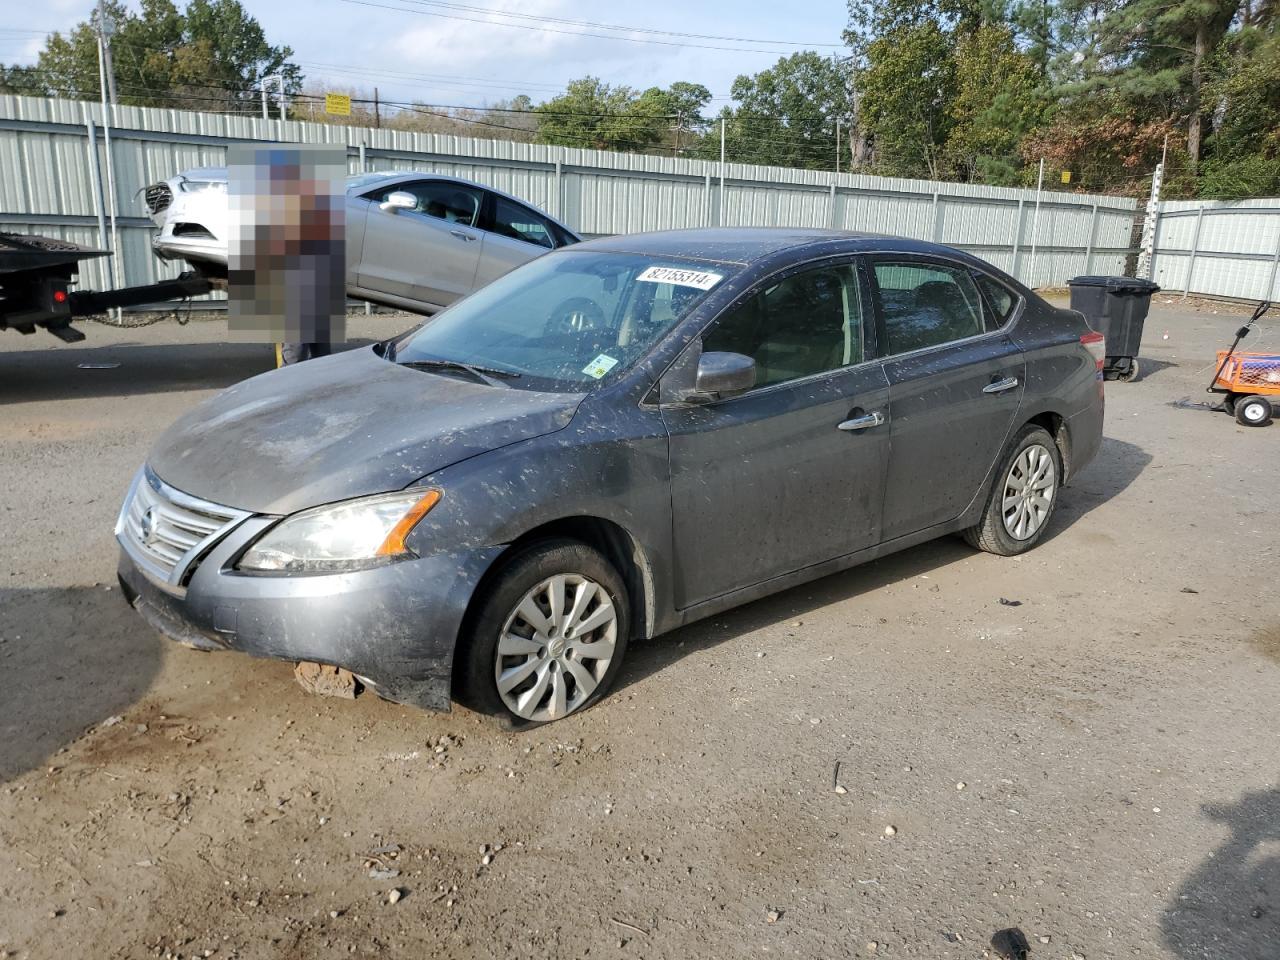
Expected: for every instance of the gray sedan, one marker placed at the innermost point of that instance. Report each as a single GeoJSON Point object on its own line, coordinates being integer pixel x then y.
{"type": "Point", "coordinates": [610, 442]}
{"type": "Point", "coordinates": [413, 240]}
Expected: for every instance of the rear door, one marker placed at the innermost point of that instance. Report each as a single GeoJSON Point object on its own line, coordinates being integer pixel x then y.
{"type": "Point", "coordinates": [956, 381]}
{"type": "Point", "coordinates": [514, 234]}
{"type": "Point", "coordinates": [429, 253]}
{"type": "Point", "coordinates": [790, 473]}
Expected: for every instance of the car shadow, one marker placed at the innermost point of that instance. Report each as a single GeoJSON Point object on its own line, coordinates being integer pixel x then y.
{"type": "Point", "coordinates": [130, 369]}
{"type": "Point", "coordinates": [69, 659]}
{"type": "Point", "coordinates": [1229, 906]}
{"type": "Point", "coordinates": [1117, 465]}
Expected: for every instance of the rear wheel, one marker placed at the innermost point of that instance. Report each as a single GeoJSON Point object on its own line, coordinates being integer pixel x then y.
{"type": "Point", "coordinates": [1023, 496]}
{"type": "Point", "coordinates": [1130, 373]}
{"type": "Point", "coordinates": [548, 636]}
{"type": "Point", "coordinates": [1254, 411]}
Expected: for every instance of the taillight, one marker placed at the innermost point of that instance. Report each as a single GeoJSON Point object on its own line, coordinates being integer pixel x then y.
{"type": "Point", "coordinates": [1096, 344]}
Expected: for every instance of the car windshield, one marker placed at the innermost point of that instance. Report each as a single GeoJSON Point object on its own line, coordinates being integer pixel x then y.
{"type": "Point", "coordinates": [567, 321]}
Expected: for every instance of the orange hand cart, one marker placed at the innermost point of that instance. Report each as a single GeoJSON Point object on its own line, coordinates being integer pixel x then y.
{"type": "Point", "coordinates": [1248, 380]}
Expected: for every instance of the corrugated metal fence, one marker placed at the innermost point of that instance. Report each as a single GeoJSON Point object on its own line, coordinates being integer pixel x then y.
{"type": "Point", "coordinates": [53, 181]}
{"type": "Point", "coordinates": [1225, 248]}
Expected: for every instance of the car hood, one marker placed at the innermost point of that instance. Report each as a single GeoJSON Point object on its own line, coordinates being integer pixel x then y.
{"type": "Point", "coordinates": [343, 426]}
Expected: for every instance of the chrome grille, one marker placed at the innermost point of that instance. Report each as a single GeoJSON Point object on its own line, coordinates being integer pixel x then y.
{"type": "Point", "coordinates": [167, 531]}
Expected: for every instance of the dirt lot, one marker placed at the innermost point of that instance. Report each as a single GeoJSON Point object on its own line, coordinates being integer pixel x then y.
{"type": "Point", "coordinates": [1097, 765]}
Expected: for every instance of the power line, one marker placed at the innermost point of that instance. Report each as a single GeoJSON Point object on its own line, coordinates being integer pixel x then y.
{"type": "Point", "coordinates": [571, 33]}
{"type": "Point", "coordinates": [611, 26]}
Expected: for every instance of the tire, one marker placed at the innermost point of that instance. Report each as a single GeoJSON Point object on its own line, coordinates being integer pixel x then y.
{"type": "Point", "coordinates": [544, 673]}
{"type": "Point", "coordinates": [1253, 411]}
{"type": "Point", "coordinates": [1032, 449]}
{"type": "Point", "coordinates": [1229, 403]}
{"type": "Point", "coordinates": [1131, 373]}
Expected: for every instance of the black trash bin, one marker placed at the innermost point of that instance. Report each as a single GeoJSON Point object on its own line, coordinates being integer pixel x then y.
{"type": "Point", "coordinates": [1117, 308]}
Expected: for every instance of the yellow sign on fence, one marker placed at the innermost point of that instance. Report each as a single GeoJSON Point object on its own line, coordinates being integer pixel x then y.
{"type": "Point", "coordinates": [1066, 176]}
{"type": "Point", "coordinates": [339, 104]}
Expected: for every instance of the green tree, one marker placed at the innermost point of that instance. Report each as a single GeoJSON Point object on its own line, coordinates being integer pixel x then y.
{"type": "Point", "coordinates": [22, 80]}
{"type": "Point", "coordinates": [212, 56]}
{"type": "Point", "coordinates": [591, 113]}
{"type": "Point", "coordinates": [1159, 52]}
{"type": "Point", "coordinates": [785, 115]}
{"type": "Point", "coordinates": [906, 92]}
{"type": "Point", "coordinates": [998, 99]}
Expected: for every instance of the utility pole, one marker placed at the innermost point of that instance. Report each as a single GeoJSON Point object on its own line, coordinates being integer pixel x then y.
{"type": "Point", "coordinates": [1035, 229]}
{"type": "Point", "coordinates": [377, 113]}
{"type": "Point", "coordinates": [106, 27]}
{"type": "Point", "coordinates": [722, 126]}
{"type": "Point", "coordinates": [837, 144]}
{"type": "Point", "coordinates": [265, 116]}
{"type": "Point", "coordinates": [675, 152]}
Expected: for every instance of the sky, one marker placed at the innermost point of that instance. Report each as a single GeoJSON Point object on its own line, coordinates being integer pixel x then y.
{"type": "Point", "coordinates": [454, 53]}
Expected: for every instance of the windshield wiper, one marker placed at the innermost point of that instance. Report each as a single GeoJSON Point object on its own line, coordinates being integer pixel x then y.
{"type": "Point", "coordinates": [489, 375]}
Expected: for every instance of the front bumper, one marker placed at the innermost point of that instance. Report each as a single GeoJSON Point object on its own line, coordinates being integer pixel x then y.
{"type": "Point", "coordinates": [396, 625]}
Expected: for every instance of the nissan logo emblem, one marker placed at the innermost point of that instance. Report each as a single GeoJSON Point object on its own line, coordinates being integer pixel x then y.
{"type": "Point", "coordinates": [148, 527]}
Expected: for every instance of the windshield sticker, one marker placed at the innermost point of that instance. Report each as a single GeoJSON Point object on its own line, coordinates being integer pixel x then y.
{"type": "Point", "coordinates": [601, 365]}
{"type": "Point", "coordinates": [681, 278]}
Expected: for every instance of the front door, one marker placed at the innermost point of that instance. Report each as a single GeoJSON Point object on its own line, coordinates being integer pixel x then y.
{"type": "Point", "coordinates": [956, 381]}
{"type": "Point", "coordinates": [429, 253]}
{"type": "Point", "coordinates": [790, 473]}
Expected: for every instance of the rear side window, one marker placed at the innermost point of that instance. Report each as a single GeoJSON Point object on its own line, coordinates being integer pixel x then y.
{"type": "Point", "coordinates": [520, 223]}
{"type": "Point", "coordinates": [926, 304]}
{"type": "Point", "coordinates": [1000, 299]}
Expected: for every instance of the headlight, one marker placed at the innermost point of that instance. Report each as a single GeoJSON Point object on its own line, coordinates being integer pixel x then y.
{"type": "Point", "coordinates": [344, 536]}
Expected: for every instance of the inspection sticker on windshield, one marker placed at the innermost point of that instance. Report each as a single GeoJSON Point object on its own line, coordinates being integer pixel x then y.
{"type": "Point", "coordinates": [601, 365]}
{"type": "Point", "coordinates": [682, 278]}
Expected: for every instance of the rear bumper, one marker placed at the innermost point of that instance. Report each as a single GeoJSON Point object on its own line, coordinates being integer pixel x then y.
{"type": "Point", "coordinates": [1084, 431]}
{"type": "Point", "coordinates": [395, 625]}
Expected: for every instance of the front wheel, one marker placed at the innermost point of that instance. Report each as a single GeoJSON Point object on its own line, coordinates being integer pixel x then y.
{"type": "Point", "coordinates": [548, 636]}
{"type": "Point", "coordinates": [1023, 496]}
{"type": "Point", "coordinates": [1254, 411]}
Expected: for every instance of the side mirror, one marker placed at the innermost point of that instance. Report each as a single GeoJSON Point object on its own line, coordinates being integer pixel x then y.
{"type": "Point", "coordinates": [722, 375]}
{"type": "Point", "coordinates": [398, 200]}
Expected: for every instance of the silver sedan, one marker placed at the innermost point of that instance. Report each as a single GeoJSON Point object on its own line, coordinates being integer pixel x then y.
{"type": "Point", "coordinates": [414, 240]}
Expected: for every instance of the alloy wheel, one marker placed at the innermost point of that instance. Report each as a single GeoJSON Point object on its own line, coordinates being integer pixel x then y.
{"type": "Point", "coordinates": [555, 648]}
{"type": "Point", "coordinates": [1029, 490]}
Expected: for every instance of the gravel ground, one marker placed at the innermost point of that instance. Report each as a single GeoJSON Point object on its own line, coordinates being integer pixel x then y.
{"type": "Point", "coordinates": [891, 762]}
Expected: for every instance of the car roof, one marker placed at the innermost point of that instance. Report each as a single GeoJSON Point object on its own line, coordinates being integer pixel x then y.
{"type": "Point", "coordinates": [747, 245]}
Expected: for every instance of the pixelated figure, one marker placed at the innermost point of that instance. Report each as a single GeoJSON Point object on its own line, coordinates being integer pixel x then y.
{"type": "Point", "coordinates": [287, 257]}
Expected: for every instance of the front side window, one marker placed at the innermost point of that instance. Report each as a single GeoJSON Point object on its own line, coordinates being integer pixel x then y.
{"type": "Point", "coordinates": [518, 222]}
{"type": "Point", "coordinates": [451, 202]}
{"type": "Point", "coordinates": [926, 304]}
{"type": "Point", "coordinates": [566, 321]}
{"type": "Point", "coordinates": [809, 323]}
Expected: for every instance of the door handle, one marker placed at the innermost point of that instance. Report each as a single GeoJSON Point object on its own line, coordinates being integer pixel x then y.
{"type": "Point", "coordinates": [1000, 386]}
{"type": "Point", "coordinates": [461, 236]}
{"type": "Point", "coordinates": [863, 422]}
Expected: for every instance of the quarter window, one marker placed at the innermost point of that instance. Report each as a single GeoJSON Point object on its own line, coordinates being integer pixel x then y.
{"type": "Point", "coordinates": [1000, 299]}
{"type": "Point", "coordinates": [808, 323]}
{"type": "Point", "coordinates": [926, 304]}
{"type": "Point", "coordinates": [520, 223]}
{"type": "Point", "coordinates": [451, 202]}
